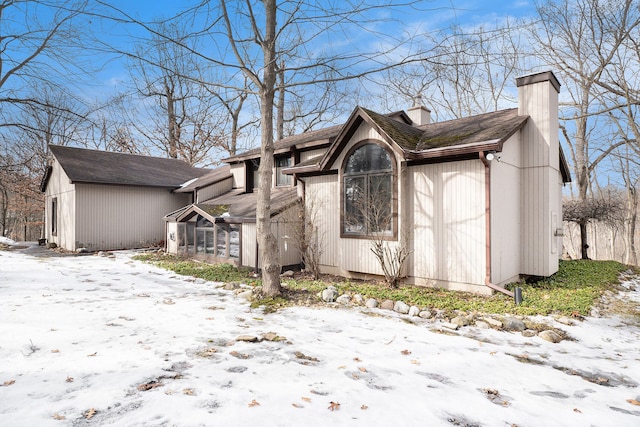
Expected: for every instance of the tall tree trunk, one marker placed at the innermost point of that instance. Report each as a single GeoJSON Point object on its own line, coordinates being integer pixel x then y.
{"type": "Point", "coordinates": [584, 245]}
{"type": "Point", "coordinates": [267, 242]}
{"type": "Point", "coordinates": [632, 217]}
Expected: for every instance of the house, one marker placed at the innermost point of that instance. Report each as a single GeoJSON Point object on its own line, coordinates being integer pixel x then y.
{"type": "Point", "coordinates": [476, 201]}
{"type": "Point", "coordinates": [103, 200]}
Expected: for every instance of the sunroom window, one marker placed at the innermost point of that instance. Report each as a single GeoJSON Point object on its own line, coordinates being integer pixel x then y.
{"type": "Point", "coordinates": [368, 206]}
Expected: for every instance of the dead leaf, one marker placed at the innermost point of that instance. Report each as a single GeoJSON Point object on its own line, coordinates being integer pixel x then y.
{"type": "Point", "coordinates": [415, 362]}
{"type": "Point", "coordinates": [55, 351]}
{"type": "Point", "coordinates": [306, 399]}
{"type": "Point", "coordinates": [8, 383]}
{"type": "Point", "coordinates": [355, 376]}
{"type": "Point", "coordinates": [69, 379]}
{"type": "Point", "coordinates": [93, 354]}
{"type": "Point", "coordinates": [357, 359]}
{"type": "Point", "coordinates": [253, 403]}
{"type": "Point", "coordinates": [333, 406]}
{"type": "Point", "coordinates": [364, 407]}
{"type": "Point", "coordinates": [493, 353]}
{"type": "Point", "coordinates": [577, 410]}
{"type": "Point", "coordinates": [150, 385]}
{"type": "Point", "coordinates": [58, 417]}
{"type": "Point", "coordinates": [361, 369]}
{"type": "Point", "coordinates": [295, 405]}
{"type": "Point", "coordinates": [188, 391]}
{"type": "Point", "coordinates": [633, 402]}
{"type": "Point", "coordinates": [342, 367]}
{"type": "Point", "coordinates": [405, 352]}
{"type": "Point", "coordinates": [89, 413]}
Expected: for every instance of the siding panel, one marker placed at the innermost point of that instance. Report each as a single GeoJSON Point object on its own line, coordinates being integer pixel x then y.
{"type": "Point", "coordinates": [117, 217]}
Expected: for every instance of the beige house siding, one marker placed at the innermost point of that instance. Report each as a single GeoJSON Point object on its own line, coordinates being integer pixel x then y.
{"type": "Point", "coordinates": [506, 213]}
{"type": "Point", "coordinates": [289, 254]}
{"type": "Point", "coordinates": [115, 217]}
{"type": "Point", "coordinates": [249, 239]}
{"type": "Point", "coordinates": [214, 190]}
{"type": "Point", "coordinates": [323, 202]}
{"type": "Point", "coordinates": [59, 186]}
{"type": "Point", "coordinates": [312, 154]}
{"type": "Point", "coordinates": [238, 172]}
{"type": "Point", "coordinates": [540, 177]}
{"type": "Point", "coordinates": [448, 214]}
{"type": "Point", "coordinates": [172, 244]}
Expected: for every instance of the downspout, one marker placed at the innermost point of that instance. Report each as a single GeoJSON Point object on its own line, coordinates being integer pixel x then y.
{"type": "Point", "coordinates": [487, 227]}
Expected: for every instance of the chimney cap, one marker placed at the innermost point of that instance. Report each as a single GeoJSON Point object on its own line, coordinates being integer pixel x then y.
{"type": "Point", "coordinates": [539, 78]}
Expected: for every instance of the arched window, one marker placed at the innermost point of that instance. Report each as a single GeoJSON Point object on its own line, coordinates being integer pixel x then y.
{"type": "Point", "coordinates": [368, 183]}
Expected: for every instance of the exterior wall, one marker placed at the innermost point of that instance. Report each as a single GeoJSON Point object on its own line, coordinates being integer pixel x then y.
{"type": "Point", "coordinates": [249, 242]}
{"type": "Point", "coordinates": [448, 217]}
{"type": "Point", "coordinates": [118, 217]}
{"type": "Point", "coordinates": [506, 213]}
{"type": "Point", "coordinates": [237, 170]}
{"type": "Point", "coordinates": [172, 230]}
{"type": "Point", "coordinates": [312, 154]}
{"type": "Point", "coordinates": [323, 203]}
{"type": "Point", "coordinates": [541, 203]}
{"type": "Point", "coordinates": [60, 187]}
{"type": "Point", "coordinates": [214, 190]}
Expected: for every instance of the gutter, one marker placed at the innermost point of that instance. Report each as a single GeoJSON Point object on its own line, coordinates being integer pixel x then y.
{"type": "Point", "coordinates": [487, 215]}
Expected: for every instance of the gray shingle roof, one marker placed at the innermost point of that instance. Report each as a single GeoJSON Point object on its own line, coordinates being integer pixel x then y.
{"type": "Point", "coordinates": [103, 167]}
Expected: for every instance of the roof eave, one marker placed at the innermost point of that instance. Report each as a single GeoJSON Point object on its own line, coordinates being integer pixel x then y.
{"type": "Point", "coordinates": [456, 150]}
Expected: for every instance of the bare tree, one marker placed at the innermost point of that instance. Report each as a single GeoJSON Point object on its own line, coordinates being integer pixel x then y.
{"type": "Point", "coordinates": [580, 39]}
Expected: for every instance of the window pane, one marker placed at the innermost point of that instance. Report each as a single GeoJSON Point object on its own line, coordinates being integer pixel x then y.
{"type": "Point", "coordinates": [200, 241]}
{"type": "Point", "coordinates": [234, 241]}
{"type": "Point", "coordinates": [209, 241]}
{"type": "Point", "coordinates": [369, 157]}
{"type": "Point", "coordinates": [355, 204]}
{"type": "Point", "coordinates": [282, 179]}
{"type": "Point", "coordinates": [379, 202]}
{"type": "Point", "coordinates": [221, 240]}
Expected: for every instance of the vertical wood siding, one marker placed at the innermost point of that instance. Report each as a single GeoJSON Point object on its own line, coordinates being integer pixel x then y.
{"type": "Point", "coordinates": [539, 178]}
{"type": "Point", "coordinates": [506, 212]}
{"type": "Point", "coordinates": [249, 243]}
{"type": "Point", "coordinates": [323, 203]}
{"type": "Point", "coordinates": [60, 187]}
{"type": "Point", "coordinates": [117, 217]}
{"type": "Point", "coordinates": [312, 154]}
{"type": "Point", "coordinates": [214, 190]}
{"type": "Point", "coordinates": [238, 172]}
{"type": "Point", "coordinates": [448, 219]}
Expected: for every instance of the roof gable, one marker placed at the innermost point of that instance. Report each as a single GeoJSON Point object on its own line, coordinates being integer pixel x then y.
{"type": "Point", "coordinates": [103, 167]}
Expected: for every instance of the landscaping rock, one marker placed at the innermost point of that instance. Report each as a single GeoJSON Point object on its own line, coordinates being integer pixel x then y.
{"type": "Point", "coordinates": [482, 324]}
{"type": "Point", "coordinates": [513, 324]}
{"type": "Point", "coordinates": [401, 307]}
{"type": "Point", "coordinates": [528, 333]}
{"type": "Point", "coordinates": [51, 245]}
{"type": "Point", "coordinates": [330, 294]}
{"type": "Point", "coordinates": [288, 273]}
{"type": "Point", "coordinates": [371, 303]}
{"type": "Point", "coordinates": [449, 325]}
{"type": "Point", "coordinates": [82, 250]}
{"type": "Point", "coordinates": [425, 314]}
{"type": "Point", "coordinates": [494, 323]}
{"type": "Point", "coordinates": [550, 336]}
{"type": "Point", "coordinates": [230, 286]}
{"type": "Point", "coordinates": [343, 299]}
{"type": "Point", "coordinates": [358, 299]}
{"type": "Point", "coordinates": [246, 295]}
{"type": "Point", "coordinates": [565, 321]}
{"type": "Point", "coordinates": [460, 321]}
{"type": "Point", "coordinates": [272, 336]}
{"type": "Point", "coordinates": [414, 311]}
{"type": "Point", "coordinates": [387, 305]}
{"type": "Point", "coordinates": [247, 338]}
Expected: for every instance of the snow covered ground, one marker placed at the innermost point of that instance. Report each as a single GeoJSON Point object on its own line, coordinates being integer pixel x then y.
{"type": "Point", "coordinates": [109, 341]}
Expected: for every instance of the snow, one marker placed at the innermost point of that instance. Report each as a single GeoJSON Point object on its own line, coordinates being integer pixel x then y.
{"type": "Point", "coordinates": [6, 241]}
{"type": "Point", "coordinates": [80, 335]}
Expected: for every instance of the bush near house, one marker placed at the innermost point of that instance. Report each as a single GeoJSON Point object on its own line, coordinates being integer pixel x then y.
{"type": "Point", "coordinates": [572, 291]}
